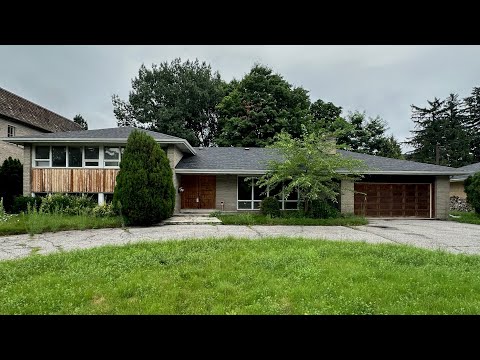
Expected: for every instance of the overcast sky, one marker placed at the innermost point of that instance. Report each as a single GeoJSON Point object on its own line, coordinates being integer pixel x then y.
{"type": "Point", "coordinates": [381, 80]}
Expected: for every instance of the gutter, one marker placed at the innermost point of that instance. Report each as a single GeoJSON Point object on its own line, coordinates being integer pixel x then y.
{"type": "Point", "coordinates": [261, 172]}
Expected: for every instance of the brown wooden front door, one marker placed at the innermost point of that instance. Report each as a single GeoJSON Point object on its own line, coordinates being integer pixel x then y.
{"type": "Point", "coordinates": [198, 191]}
{"type": "Point", "coordinates": [393, 200]}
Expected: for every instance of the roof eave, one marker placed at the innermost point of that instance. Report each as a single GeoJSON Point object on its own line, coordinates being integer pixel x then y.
{"type": "Point", "coordinates": [186, 145]}
{"type": "Point", "coordinates": [261, 172]}
{"type": "Point", "coordinates": [221, 171]}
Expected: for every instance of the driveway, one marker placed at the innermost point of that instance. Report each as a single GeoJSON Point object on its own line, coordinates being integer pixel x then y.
{"type": "Point", "coordinates": [431, 234]}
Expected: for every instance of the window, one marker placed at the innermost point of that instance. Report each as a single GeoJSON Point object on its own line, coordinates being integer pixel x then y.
{"type": "Point", "coordinates": [42, 156]}
{"type": "Point", "coordinates": [59, 156]}
{"type": "Point", "coordinates": [249, 195]}
{"type": "Point", "coordinates": [111, 156]}
{"type": "Point", "coordinates": [92, 155]}
{"type": "Point", "coordinates": [10, 131]}
{"type": "Point", "coordinates": [74, 156]}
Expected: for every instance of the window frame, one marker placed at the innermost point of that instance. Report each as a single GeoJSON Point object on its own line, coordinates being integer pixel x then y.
{"type": "Point", "coordinates": [34, 158]}
{"type": "Point", "coordinates": [119, 147]}
{"type": "Point", "coordinates": [11, 130]}
{"type": "Point", "coordinates": [99, 159]}
{"type": "Point", "coordinates": [252, 201]}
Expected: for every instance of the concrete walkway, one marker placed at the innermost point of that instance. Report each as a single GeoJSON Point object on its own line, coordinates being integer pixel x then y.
{"type": "Point", "coordinates": [431, 234]}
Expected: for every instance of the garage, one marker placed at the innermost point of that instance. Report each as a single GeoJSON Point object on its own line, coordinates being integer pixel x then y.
{"type": "Point", "coordinates": [373, 199]}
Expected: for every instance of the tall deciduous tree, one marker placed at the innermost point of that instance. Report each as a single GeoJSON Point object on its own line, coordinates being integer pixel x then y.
{"type": "Point", "coordinates": [369, 136]}
{"type": "Point", "coordinates": [144, 192]}
{"type": "Point", "coordinates": [310, 164]}
{"type": "Point", "coordinates": [81, 121]}
{"type": "Point", "coordinates": [260, 106]}
{"type": "Point", "coordinates": [174, 98]}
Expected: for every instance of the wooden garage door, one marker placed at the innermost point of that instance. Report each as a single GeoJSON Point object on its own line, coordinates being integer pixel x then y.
{"type": "Point", "coordinates": [393, 200]}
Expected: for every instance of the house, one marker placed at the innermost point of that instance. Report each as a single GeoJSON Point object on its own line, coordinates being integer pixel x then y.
{"type": "Point", "coordinates": [19, 117]}
{"type": "Point", "coordinates": [456, 182]}
{"type": "Point", "coordinates": [213, 178]}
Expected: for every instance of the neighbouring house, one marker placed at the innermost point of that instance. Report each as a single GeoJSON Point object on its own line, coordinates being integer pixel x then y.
{"type": "Point", "coordinates": [456, 182]}
{"type": "Point", "coordinates": [213, 178]}
{"type": "Point", "coordinates": [19, 117]}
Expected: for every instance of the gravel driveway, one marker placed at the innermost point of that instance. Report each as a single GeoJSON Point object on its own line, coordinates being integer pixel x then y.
{"type": "Point", "coordinates": [430, 234]}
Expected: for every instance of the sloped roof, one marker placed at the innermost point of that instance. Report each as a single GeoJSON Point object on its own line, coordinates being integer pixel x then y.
{"type": "Point", "coordinates": [112, 135]}
{"type": "Point", "coordinates": [29, 113]}
{"type": "Point", "coordinates": [232, 159]}
{"type": "Point", "coordinates": [469, 169]}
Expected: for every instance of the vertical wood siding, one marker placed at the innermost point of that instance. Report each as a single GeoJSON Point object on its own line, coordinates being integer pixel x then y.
{"type": "Point", "coordinates": [74, 180]}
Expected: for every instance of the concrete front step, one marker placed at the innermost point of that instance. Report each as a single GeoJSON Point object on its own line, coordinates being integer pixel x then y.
{"type": "Point", "coordinates": [184, 214]}
{"type": "Point", "coordinates": [191, 220]}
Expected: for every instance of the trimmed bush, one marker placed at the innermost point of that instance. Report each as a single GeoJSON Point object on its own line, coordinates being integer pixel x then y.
{"type": "Point", "coordinates": [322, 209]}
{"type": "Point", "coordinates": [270, 206]}
{"type": "Point", "coordinates": [144, 193]}
{"type": "Point", "coordinates": [20, 204]}
{"type": "Point", "coordinates": [472, 189]}
{"type": "Point", "coordinates": [11, 181]}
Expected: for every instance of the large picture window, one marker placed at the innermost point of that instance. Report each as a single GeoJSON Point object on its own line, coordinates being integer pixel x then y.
{"type": "Point", "coordinates": [77, 156]}
{"type": "Point", "coordinates": [249, 195]}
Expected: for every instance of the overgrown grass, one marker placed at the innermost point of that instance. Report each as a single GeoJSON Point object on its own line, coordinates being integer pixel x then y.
{"type": "Point", "coordinates": [36, 223]}
{"type": "Point", "coordinates": [259, 219]}
{"type": "Point", "coordinates": [466, 217]}
{"type": "Point", "coordinates": [240, 276]}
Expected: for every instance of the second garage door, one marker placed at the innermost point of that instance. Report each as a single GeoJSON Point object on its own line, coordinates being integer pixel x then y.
{"type": "Point", "coordinates": [393, 200]}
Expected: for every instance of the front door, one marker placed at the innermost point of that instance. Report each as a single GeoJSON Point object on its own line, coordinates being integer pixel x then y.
{"type": "Point", "coordinates": [198, 191]}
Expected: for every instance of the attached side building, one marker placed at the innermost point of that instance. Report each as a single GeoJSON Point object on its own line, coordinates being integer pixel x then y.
{"type": "Point", "coordinates": [457, 187]}
{"type": "Point", "coordinates": [20, 117]}
{"type": "Point", "coordinates": [214, 178]}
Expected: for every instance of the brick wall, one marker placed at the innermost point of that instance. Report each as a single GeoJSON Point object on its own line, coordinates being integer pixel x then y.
{"type": "Point", "coordinates": [442, 197]}
{"type": "Point", "coordinates": [27, 170]}
{"type": "Point", "coordinates": [347, 197]}
{"type": "Point", "coordinates": [7, 149]}
{"type": "Point", "coordinates": [226, 192]}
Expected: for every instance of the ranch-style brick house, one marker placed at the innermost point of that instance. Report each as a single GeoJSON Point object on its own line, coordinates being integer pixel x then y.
{"type": "Point", "coordinates": [213, 178]}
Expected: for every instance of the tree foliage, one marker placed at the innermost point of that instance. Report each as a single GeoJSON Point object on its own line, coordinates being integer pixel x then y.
{"type": "Point", "coordinates": [11, 181]}
{"type": "Point", "coordinates": [174, 98]}
{"type": "Point", "coordinates": [81, 121]}
{"type": "Point", "coordinates": [472, 113]}
{"type": "Point", "coordinates": [260, 106]}
{"type": "Point", "coordinates": [472, 189]}
{"type": "Point", "coordinates": [144, 193]}
{"type": "Point", "coordinates": [441, 126]}
{"type": "Point", "coordinates": [310, 164]}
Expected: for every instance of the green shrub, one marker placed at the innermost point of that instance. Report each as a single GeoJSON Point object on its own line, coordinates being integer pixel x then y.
{"type": "Point", "coordinates": [11, 181]}
{"type": "Point", "coordinates": [322, 209]}
{"type": "Point", "coordinates": [104, 210]}
{"type": "Point", "coordinates": [472, 189]}
{"type": "Point", "coordinates": [144, 193]}
{"type": "Point", "coordinates": [270, 206]}
{"type": "Point", "coordinates": [20, 204]}
{"type": "Point", "coordinates": [67, 204]}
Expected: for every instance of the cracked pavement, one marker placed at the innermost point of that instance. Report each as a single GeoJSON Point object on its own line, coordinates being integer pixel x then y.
{"type": "Point", "coordinates": [430, 234]}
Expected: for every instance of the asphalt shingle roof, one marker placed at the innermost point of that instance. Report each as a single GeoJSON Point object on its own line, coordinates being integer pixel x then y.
{"type": "Point", "coordinates": [27, 112]}
{"type": "Point", "coordinates": [470, 169]}
{"type": "Point", "coordinates": [236, 158]}
{"type": "Point", "coordinates": [110, 133]}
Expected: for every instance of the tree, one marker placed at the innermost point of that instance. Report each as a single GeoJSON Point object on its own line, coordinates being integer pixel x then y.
{"type": "Point", "coordinates": [472, 189]}
{"type": "Point", "coordinates": [177, 99]}
{"type": "Point", "coordinates": [144, 193]}
{"type": "Point", "coordinates": [260, 106]}
{"type": "Point", "coordinates": [310, 164]}
{"type": "Point", "coordinates": [81, 121]}
{"type": "Point", "coordinates": [472, 109]}
{"type": "Point", "coordinates": [11, 181]}
{"type": "Point", "coordinates": [368, 136]}
{"type": "Point", "coordinates": [441, 133]}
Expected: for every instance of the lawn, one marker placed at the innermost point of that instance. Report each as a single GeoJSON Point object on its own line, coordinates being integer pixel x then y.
{"type": "Point", "coordinates": [259, 219]}
{"type": "Point", "coordinates": [36, 223]}
{"type": "Point", "coordinates": [240, 276]}
{"type": "Point", "coordinates": [466, 217]}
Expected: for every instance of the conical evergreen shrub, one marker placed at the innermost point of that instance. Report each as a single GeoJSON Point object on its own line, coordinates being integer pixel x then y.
{"type": "Point", "coordinates": [144, 193]}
